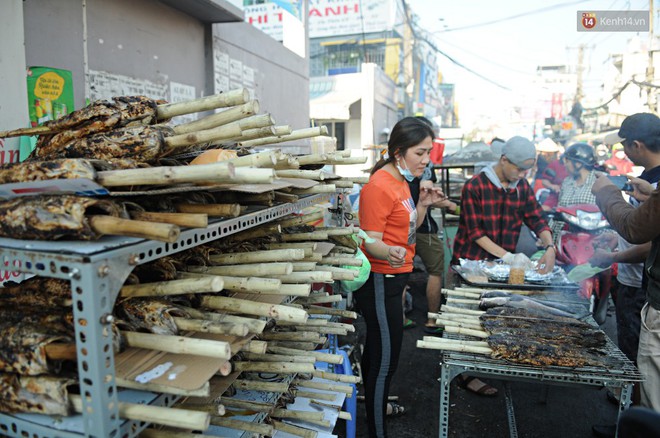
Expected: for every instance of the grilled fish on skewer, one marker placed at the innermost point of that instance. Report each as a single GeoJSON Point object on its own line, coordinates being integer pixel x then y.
{"type": "Point", "coordinates": [42, 394]}
{"type": "Point", "coordinates": [155, 316]}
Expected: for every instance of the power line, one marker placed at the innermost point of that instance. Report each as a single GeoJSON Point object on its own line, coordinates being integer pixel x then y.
{"type": "Point", "coordinates": [432, 46]}
{"type": "Point", "coordinates": [512, 17]}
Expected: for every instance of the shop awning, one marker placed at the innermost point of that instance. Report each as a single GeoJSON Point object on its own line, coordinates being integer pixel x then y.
{"type": "Point", "coordinates": [333, 105]}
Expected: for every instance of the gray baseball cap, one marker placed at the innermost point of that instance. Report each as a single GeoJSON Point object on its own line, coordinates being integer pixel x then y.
{"type": "Point", "coordinates": [518, 150]}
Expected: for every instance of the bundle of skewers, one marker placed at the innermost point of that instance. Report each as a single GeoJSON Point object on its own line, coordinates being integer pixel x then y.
{"type": "Point", "coordinates": [245, 301]}
{"type": "Point", "coordinates": [519, 327]}
{"type": "Point", "coordinates": [126, 145]}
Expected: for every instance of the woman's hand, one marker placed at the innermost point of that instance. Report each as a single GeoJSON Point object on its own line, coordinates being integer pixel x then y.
{"type": "Point", "coordinates": [396, 256]}
{"type": "Point", "coordinates": [430, 195]}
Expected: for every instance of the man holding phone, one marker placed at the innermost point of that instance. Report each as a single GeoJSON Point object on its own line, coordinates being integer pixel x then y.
{"type": "Point", "coordinates": [640, 136]}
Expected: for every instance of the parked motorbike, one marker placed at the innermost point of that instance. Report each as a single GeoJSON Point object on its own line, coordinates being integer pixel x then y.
{"type": "Point", "coordinates": [586, 230]}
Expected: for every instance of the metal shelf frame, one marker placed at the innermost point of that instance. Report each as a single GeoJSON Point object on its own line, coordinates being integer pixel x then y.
{"type": "Point", "coordinates": [96, 279]}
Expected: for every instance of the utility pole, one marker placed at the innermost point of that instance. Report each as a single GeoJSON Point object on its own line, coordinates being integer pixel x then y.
{"type": "Point", "coordinates": [650, 71]}
{"type": "Point", "coordinates": [580, 70]}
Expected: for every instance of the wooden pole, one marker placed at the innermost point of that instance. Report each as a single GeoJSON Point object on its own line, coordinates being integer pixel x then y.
{"type": "Point", "coordinates": [180, 219]}
{"type": "Point", "coordinates": [110, 225]}
{"type": "Point", "coordinates": [257, 269]}
{"type": "Point", "coordinates": [178, 344]}
{"type": "Point", "coordinates": [261, 429]}
{"type": "Point", "coordinates": [274, 367]}
{"type": "Point", "coordinates": [259, 159]}
{"type": "Point", "coordinates": [298, 134]}
{"type": "Point", "coordinates": [257, 385]}
{"type": "Point", "coordinates": [276, 255]}
{"type": "Point", "coordinates": [221, 118]}
{"type": "Point", "coordinates": [200, 325]}
{"type": "Point", "coordinates": [253, 325]}
{"type": "Point", "coordinates": [179, 418]}
{"type": "Point", "coordinates": [212, 172]}
{"type": "Point", "coordinates": [173, 287]}
{"type": "Point", "coordinates": [241, 284]}
{"type": "Point", "coordinates": [222, 210]}
{"type": "Point", "coordinates": [222, 100]}
{"type": "Point", "coordinates": [235, 305]}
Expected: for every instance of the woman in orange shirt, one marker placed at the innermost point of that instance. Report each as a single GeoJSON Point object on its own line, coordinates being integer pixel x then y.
{"type": "Point", "coordinates": [389, 217]}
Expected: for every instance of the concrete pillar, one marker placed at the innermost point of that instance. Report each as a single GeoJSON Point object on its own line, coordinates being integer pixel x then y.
{"type": "Point", "coordinates": [13, 89]}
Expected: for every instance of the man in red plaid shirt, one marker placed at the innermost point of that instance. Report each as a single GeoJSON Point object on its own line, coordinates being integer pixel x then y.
{"type": "Point", "coordinates": [494, 205]}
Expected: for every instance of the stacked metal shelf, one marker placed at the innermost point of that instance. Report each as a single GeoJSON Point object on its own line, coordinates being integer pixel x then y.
{"type": "Point", "coordinates": [96, 271]}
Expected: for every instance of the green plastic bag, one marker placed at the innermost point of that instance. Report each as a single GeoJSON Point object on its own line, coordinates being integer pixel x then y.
{"type": "Point", "coordinates": [364, 270]}
{"type": "Point", "coordinates": [363, 273]}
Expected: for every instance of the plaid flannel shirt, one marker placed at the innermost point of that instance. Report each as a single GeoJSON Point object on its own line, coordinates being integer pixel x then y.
{"type": "Point", "coordinates": [496, 212]}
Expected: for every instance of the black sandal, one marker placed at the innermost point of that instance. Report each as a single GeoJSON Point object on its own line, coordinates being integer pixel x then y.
{"type": "Point", "coordinates": [397, 410]}
{"type": "Point", "coordinates": [463, 382]}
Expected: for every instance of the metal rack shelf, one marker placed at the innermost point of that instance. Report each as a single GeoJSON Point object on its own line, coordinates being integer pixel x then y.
{"type": "Point", "coordinates": [96, 271]}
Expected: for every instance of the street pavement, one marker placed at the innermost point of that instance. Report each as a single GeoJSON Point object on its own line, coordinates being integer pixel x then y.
{"type": "Point", "coordinates": [547, 411]}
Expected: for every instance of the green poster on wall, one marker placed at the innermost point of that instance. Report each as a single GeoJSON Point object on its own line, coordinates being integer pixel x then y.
{"type": "Point", "coordinates": [50, 94]}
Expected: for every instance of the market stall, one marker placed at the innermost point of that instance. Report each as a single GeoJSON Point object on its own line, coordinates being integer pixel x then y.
{"type": "Point", "coordinates": [534, 332]}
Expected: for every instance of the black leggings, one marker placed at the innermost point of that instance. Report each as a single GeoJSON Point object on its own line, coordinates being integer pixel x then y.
{"type": "Point", "coordinates": [379, 302]}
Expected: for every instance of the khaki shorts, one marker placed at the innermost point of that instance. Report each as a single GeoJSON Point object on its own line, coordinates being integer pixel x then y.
{"type": "Point", "coordinates": [430, 249]}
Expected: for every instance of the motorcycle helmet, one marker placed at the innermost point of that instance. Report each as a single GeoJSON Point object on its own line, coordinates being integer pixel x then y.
{"type": "Point", "coordinates": [581, 153]}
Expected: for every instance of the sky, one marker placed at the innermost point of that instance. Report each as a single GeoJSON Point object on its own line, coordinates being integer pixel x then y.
{"type": "Point", "coordinates": [508, 52]}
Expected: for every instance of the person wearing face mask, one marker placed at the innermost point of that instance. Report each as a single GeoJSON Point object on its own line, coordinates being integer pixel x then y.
{"type": "Point", "coordinates": [494, 205]}
{"type": "Point", "coordinates": [618, 164]}
{"type": "Point", "coordinates": [579, 160]}
{"type": "Point", "coordinates": [389, 217]}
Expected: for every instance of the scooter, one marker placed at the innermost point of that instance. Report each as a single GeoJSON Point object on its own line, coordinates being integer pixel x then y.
{"type": "Point", "coordinates": [585, 232]}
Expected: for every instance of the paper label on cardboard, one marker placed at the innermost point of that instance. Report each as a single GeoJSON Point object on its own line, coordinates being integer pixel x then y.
{"type": "Point", "coordinates": [154, 373]}
{"type": "Point", "coordinates": [77, 186]}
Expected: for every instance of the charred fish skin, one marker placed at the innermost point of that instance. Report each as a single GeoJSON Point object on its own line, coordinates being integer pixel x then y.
{"type": "Point", "coordinates": [40, 395]}
{"type": "Point", "coordinates": [52, 217]}
{"type": "Point", "coordinates": [147, 314]}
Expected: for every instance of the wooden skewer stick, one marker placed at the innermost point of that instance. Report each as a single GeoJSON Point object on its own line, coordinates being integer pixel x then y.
{"type": "Point", "coordinates": [274, 367]}
{"type": "Point", "coordinates": [222, 210]}
{"type": "Point", "coordinates": [451, 323]}
{"type": "Point", "coordinates": [297, 237]}
{"type": "Point", "coordinates": [472, 301]}
{"type": "Point", "coordinates": [245, 270]}
{"type": "Point", "coordinates": [178, 344]}
{"type": "Point", "coordinates": [452, 309]}
{"type": "Point", "coordinates": [294, 430]}
{"type": "Point", "coordinates": [253, 325]}
{"type": "Point", "coordinates": [297, 134]}
{"type": "Point", "coordinates": [179, 418]}
{"type": "Point", "coordinates": [334, 387]}
{"type": "Point", "coordinates": [111, 225]}
{"type": "Point", "coordinates": [344, 378]}
{"type": "Point", "coordinates": [458, 293]}
{"type": "Point", "coordinates": [246, 404]}
{"type": "Point", "coordinates": [347, 261]}
{"type": "Point", "coordinates": [319, 310]}
{"type": "Point", "coordinates": [212, 172]}
{"type": "Point", "coordinates": [309, 346]}
{"type": "Point", "coordinates": [299, 415]}
{"type": "Point", "coordinates": [306, 277]}
{"type": "Point", "coordinates": [454, 347]}
{"type": "Point", "coordinates": [276, 255]}
{"type": "Point", "coordinates": [256, 385]}
{"type": "Point", "coordinates": [303, 266]}
{"type": "Point", "coordinates": [447, 341]}
{"type": "Point", "coordinates": [318, 356]}
{"type": "Point", "coordinates": [260, 159]}
{"type": "Point", "coordinates": [291, 336]}
{"type": "Point", "coordinates": [181, 219]}
{"type": "Point", "coordinates": [466, 331]}
{"type": "Point", "coordinates": [255, 346]}
{"type": "Point", "coordinates": [261, 429]}
{"type": "Point", "coordinates": [174, 287]}
{"type": "Point", "coordinates": [222, 118]}
{"type": "Point", "coordinates": [223, 100]}
{"type": "Point", "coordinates": [300, 220]}
{"type": "Point", "coordinates": [276, 311]}
{"type": "Point", "coordinates": [321, 188]}
{"type": "Point", "coordinates": [240, 284]}
{"type": "Point", "coordinates": [313, 394]}
{"type": "Point", "coordinates": [277, 358]}
{"type": "Point", "coordinates": [200, 325]}
{"type": "Point", "coordinates": [253, 133]}
{"type": "Point", "coordinates": [213, 408]}
{"type": "Point", "coordinates": [317, 175]}
{"type": "Point", "coordinates": [320, 300]}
